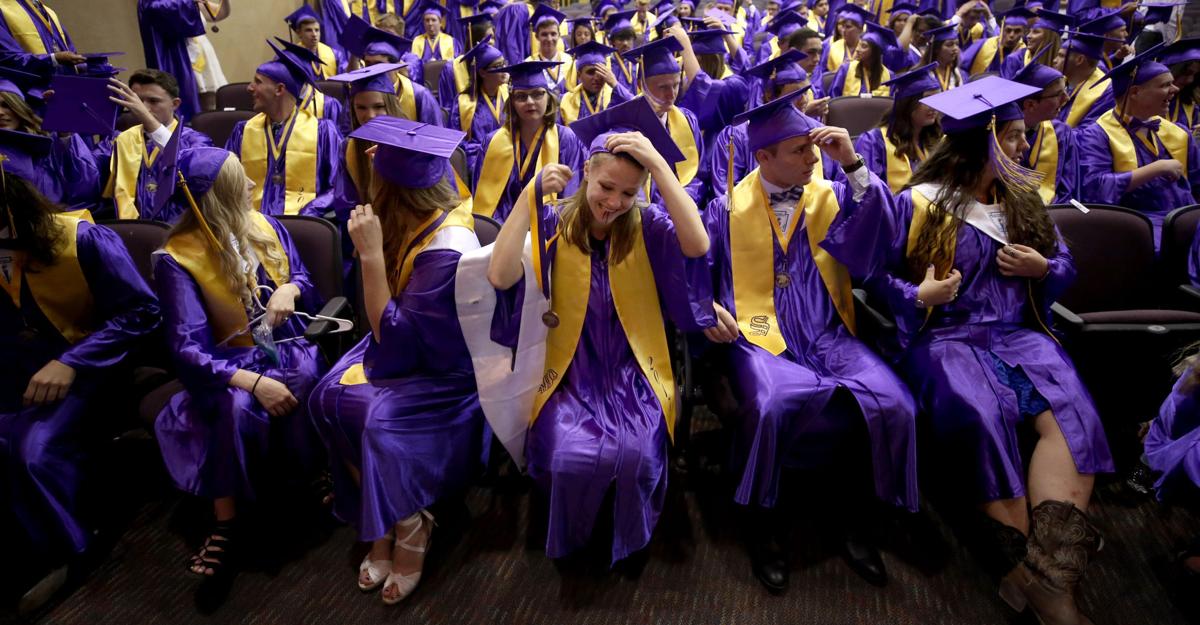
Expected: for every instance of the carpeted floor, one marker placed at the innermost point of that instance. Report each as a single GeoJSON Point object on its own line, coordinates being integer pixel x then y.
{"type": "Point", "coordinates": [489, 568]}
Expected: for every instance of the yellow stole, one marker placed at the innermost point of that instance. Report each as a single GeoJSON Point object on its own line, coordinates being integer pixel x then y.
{"type": "Point", "coordinates": [1120, 142]}
{"type": "Point", "coordinates": [299, 154]}
{"type": "Point", "coordinates": [923, 214]}
{"type": "Point", "coordinates": [467, 104]}
{"type": "Point", "coordinates": [1085, 95]}
{"type": "Point", "coordinates": [356, 8]}
{"type": "Point", "coordinates": [752, 258]}
{"type": "Point", "coordinates": [406, 96]}
{"type": "Point", "coordinates": [444, 44]}
{"type": "Point", "coordinates": [1043, 157]}
{"type": "Point", "coordinates": [60, 290]}
{"type": "Point", "coordinates": [576, 100]}
{"type": "Point", "coordinates": [899, 168]}
{"type": "Point", "coordinates": [328, 61]}
{"type": "Point", "coordinates": [1183, 113]}
{"type": "Point", "coordinates": [129, 157]}
{"type": "Point", "coordinates": [983, 58]}
{"type": "Point", "coordinates": [572, 77]}
{"type": "Point", "coordinates": [500, 160]}
{"type": "Point", "coordinates": [460, 216]}
{"type": "Point", "coordinates": [837, 55]}
{"type": "Point", "coordinates": [853, 84]}
{"type": "Point", "coordinates": [681, 133]}
{"type": "Point", "coordinates": [226, 314]}
{"type": "Point", "coordinates": [20, 24]}
{"type": "Point", "coordinates": [462, 74]}
{"type": "Point", "coordinates": [635, 297]}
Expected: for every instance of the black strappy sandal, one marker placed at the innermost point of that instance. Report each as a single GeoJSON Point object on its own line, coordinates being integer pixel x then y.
{"type": "Point", "coordinates": [215, 558]}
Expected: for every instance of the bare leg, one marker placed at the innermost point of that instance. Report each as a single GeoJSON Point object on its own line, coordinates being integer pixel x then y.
{"type": "Point", "coordinates": [1011, 512]}
{"type": "Point", "coordinates": [408, 556]}
{"type": "Point", "coordinates": [1052, 473]}
{"type": "Point", "coordinates": [224, 508]}
{"type": "Point", "coordinates": [212, 554]}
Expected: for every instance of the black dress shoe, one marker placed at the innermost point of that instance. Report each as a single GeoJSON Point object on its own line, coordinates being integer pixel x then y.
{"type": "Point", "coordinates": [864, 558]}
{"type": "Point", "coordinates": [771, 568]}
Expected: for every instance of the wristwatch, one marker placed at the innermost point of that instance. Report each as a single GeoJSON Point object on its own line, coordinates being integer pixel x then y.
{"type": "Point", "coordinates": [859, 164]}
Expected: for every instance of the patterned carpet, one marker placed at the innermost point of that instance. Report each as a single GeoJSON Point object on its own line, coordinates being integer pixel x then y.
{"type": "Point", "coordinates": [490, 568]}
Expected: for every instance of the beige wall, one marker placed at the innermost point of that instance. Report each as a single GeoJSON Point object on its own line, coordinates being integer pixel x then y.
{"type": "Point", "coordinates": [107, 25]}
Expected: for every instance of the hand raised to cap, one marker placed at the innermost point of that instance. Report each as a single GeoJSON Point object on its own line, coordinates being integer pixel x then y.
{"type": "Point", "coordinates": [835, 142]}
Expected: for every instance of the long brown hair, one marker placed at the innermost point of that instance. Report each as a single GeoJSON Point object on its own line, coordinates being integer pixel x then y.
{"type": "Point", "coordinates": [401, 209]}
{"type": "Point", "coordinates": [1045, 54]}
{"type": "Point", "coordinates": [712, 64]}
{"type": "Point", "coordinates": [873, 70]}
{"type": "Point", "coordinates": [576, 215]}
{"type": "Point", "coordinates": [898, 125]}
{"type": "Point", "coordinates": [29, 120]}
{"type": "Point", "coordinates": [958, 164]}
{"type": "Point", "coordinates": [34, 227]}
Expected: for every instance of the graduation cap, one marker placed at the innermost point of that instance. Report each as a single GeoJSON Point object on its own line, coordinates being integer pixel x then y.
{"type": "Point", "coordinates": [590, 53]}
{"type": "Point", "coordinates": [665, 19]}
{"type": "Point", "coordinates": [1049, 20]}
{"type": "Point", "coordinates": [164, 172]}
{"type": "Point", "coordinates": [478, 18]}
{"type": "Point", "coordinates": [363, 40]}
{"type": "Point", "coordinates": [662, 5]}
{"type": "Point", "coordinates": [904, 8]}
{"type": "Point", "coordinates": [657, 57]}
{"type": "Point", "coordinates": [723, 17]}
{"type": "Point", "coordinates": [583, 20]}
{"type": "Point", "coordinates": [528, 74]}
{"type": "Point", "coordinates": [299, 52]}
{"type": "Point", "coordinates": [881, 36]}
{"type": "Point", "coordinates": [376, 77]}
{"type": "Point", "coordinates": [304, 14]}
{"type": "Point", "coordinates": [914, 82]}
{"type": "Point", "coordinates": [635, 115]}
{"type": "Point", "coordinates": [979, 103]}
{"type": "Point", "coordinates": [1037, 75]}
{"type": "Point", "coordinates": [693, 23]}
{"type": "Point", "coordinates": [781, 70]}
{"type": "Point", "coordinates": [490, 6]}
{"type": "Point", "coordinates": [784, 24]}
{"type": "Point", "coordinates": [942, 33]}
{"type": "Point", "coordinates": [429, 6]}
{"type": "Point", "coordinates": [198, 169]}
{"type": "Point", "coordinates": [17, 82]}
{"type": "Point", "coordinates": [776, 121]}
{"type": "Point", "coordinates": [709, 41]}
{"type": "Point", "coordinates": [931, 11]}
{"type": "Point", "coordinates": [411, 154]}
{"type": "Point", "coordinates": [1159, 11]}
{"type": "Point", "coordinates": [604, 5]}
{"type": "Point", "coordinates": [1181, 51]}
{"type": "Point", "coordinates": [26, 142]}
{"type": "Point", "coordinates": [96, 65]}
{"type": "Point", "coordinates": [81, 105]}
{"type": "Point", "coordinates": [289, 70]}
{"type": "Point", "coordinates": [1136, 70]}
{"type": "Point", "coordinates": [1104, 21]}
{"type": "Point", "coordinates": [545, 13]}
{"type": "Point", "coordinates": [855, 14]}
{"type": "Point", "coordinates": [1091, 46]}
{"type": "Point", "coordinates": [1017, 16]}
{"type": "Point", "coordinates": [484, 53]}
{"type": "Point", "coordinates": [619, 21]}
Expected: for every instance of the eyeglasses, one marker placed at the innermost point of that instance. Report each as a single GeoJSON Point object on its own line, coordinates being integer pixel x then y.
{"type": "Point", "coordinates": [522, 96]}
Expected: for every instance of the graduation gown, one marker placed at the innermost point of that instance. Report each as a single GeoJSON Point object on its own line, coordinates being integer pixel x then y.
{"type": "Point", "coordinates": [44, 450]}
{"type": "Point", "coordinates": [1173, 443]}
{"type": "Point", "coordinates": [1052, 151]}
{"type": "Point", "coordinates": [786, 418]}
{"type": "Point", "coordinates": [166, 26]}
{"type": "Point", "coordinates": [695, 186]}
{"type": "Point", "coordinates": [334, 16]}
{"type": "Point", "coordinates": [216, 439]}
{"type": "Point", "coordinates": [983, 56]}
{"type": "Point", "coordinates": [846, 84]}
{"type": "Point", "coordinates": [66, 175]}
{"type": "Point", "coordinates": [275, 189]}
{"type": "Point", "coordinates": [512, 31]}
{"type": "Point", "coordinates": [714, 102]}
{"type": "Point", "coordinates": [136, 201]}
{"type": "Point", "coordinates": [1088, 101]}
{"type": "Point", "coordinates": [570, 153]}
{"type": "Point", "coordinates": [603, 426]}
{"type": "Point", "coordinates": [452, 81]}
{"type": "Point", "coordinates": [479, 120]}
{"type": "Point", "coordinates": [626, 72]}
{"type": "Point", "coordinates": [743, 160]}
{"type": "Point", "coordinates": [1100, 181]}
{"type": "Point", "coordinates": [29, 36]}
{"type": "Point", "coordinates": [984, 363]}
{"type": "Point", "coordinates": [880, 157]}
{"type": "Point", "coordinates": [436, 49]}
{"type": "Point", "coordinates": [1014, 61]}
{"type": "Point", "coordinates": [577, 104]}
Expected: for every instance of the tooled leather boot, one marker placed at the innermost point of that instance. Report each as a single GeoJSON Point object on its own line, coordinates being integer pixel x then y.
{"type": "Point", "coordinates": [1061, 541]}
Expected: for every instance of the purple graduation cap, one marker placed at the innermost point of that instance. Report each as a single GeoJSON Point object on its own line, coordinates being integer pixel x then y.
{"type": "Point", "coordinates": [17, 82]}
{"type": "Point", "coordinates": [635, 115]}
{"type": "Point", "coordinates": [163, 173]}
{"type": "Point", "coordinates": [854, 13]}
{"type": "Point", "coordinates": [1037, 75]}
{"type": "Point", "coordinates": [723, 17]}
{"type": "Point", "coordinates": [1104, 21]}
{"type": "Point", "coordinates": [710, 41]}
{"type": "Point", "coordinates": [97, 65]}
{"type": "Point", "coordinates": [376, 77]}
{"type": "Point", "coordinates": [298, 17]}
{"type": "Point", "coordinates": [288, 71]}
{"type": "Point", "coordinates": [590, 53]}
{"type": "Point", "coordinates": [483, 54]}
{"type": "Point", "coordinates": [528, 75]}
{"type": "Point", "coordinates": [619, 21]}
{"type": "Point", "coordinates": [427, 7]}
{"type": "Point", "coordinates": [781, 70]}
{"type": "Point", "coordinates": [545, 13]}
{"type": "Point", "coordinates": [663, 5]}
{"type": "Point", "coordinates": [942, 33]}
{"type": "Point", "coordinates": [363, 40]}
{"type": "Point", "coordinates": [979, 103]}
{"type": "Point", "coordinates": [1136, 70]}
{"type": "Point", "coordinates": [784, 24]}
{"type": "Point", "coordinates": [26, 142]}
{"type": "Point", "coordinates": [199, 168]}
{"type": "Point", "coordinates": [881, 37]}
{"type": "Point", "coordinates": [472, 20]}
{"type": "Point", "coordinates": [1017, 16]}
{"type": "Point", "coordinates": [1182, 51]}
{"type": "Point", "coordinates": [665, 19]}
{"type": "Point", "coordinates": [300, 53]}
{"type": "Point", "coordinates": [775, 121]}
{"type": "Point", "coordinates": [490, 7]}
{"type": "Point", "coordinates": [1159, 11]}
{"type": "Point", "coordinates": [1049, 20]}
{"type": "Point", "coordinates": [914, 82]}
{"type": "Point", "coordinates": [81, 105]}
{"type": "Point", "coordinates": [693, 23]}
{"type": "Point", "coordinates": [1091, 46]}
{"type": "Point", "coordinates": [657, 57]}
{"type": "Point", "coordinates": [582, 20]}
{"type": "Point", "coordinates": [904, 8]}
{"type": "Point", "coordinates": [411, 154]}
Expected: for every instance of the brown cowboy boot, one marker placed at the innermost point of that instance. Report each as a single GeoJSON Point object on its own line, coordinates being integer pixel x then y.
{"type": "Point", "coordinates": [1061, 541]}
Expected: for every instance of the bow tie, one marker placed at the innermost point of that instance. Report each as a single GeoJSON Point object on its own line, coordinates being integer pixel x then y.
{"type": "Point", "coordinates": [791, 195]}
{"type": "Point", "coordinates": [1135, 125]}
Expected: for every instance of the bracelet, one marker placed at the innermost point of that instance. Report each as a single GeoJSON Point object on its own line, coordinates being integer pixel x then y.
{"type": "Point", "coordinates": [252, 388]}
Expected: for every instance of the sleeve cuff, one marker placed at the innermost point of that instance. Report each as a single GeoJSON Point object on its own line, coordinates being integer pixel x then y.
{"type": "Point", "coordinates": [161, 135]}
{"type": "Point", "coordinates": [859, 181]}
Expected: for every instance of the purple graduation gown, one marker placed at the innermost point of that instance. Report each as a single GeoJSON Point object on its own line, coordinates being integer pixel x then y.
{"type": "Point", "coordinates": [333, 22]}
{"type": "Point", "coordinates": [695, 189]}
{"type": "Point", "coordinates": [166, 26]}
{"type": "Point", "coordinates": [1102, 105]}
{"type": "Point", "coordinates": [629, 82]}
{"type": "Point", "coordinates": [603, 426]}
{"type": "Point", "coordinates": [743, 160]}
{"type": "Point", "coordinates": [483, 124]}
{"type": "Point", "coordinates": [570, 153]}
{"type": "Point", "coordinates": [1099, 185]}
{"type": "Point", "coordinates": [328, 141]}
{"type": "Point", "coordinates": [13, 56]}
{"type": "Point", "coordinates": [44, 449]}
{"type": "Point", "coordinates": [1173, 443]}
{"type": "Point", "coordinates": [512, 31]}
{"type": "Point", "coordinates": [66, 175]}
{"type": "Point", "coordinates": [951, 362]}
{"type": "Point", "coordinates": [423, 433]}
{"type": "Point", "coordinates": [216, 439]}
{"type": "Point", "coordinates": [174, 207]}
{"type": "Point", "coordinates": [787, 419]}
{"type": "Point", "coordinates": [1012, 63]}
{"type": "Point", "coordinates": [447, 92]}
{"type": "Point", "coordinates": [714, 102]}
{"type": "Point", "coordinates": [1067, 172]}
{"type": "Point", "coordinates": [873, 148]}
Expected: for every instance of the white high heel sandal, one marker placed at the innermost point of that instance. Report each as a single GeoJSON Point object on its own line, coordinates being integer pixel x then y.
{"type": "Point", "coordinates": [405, 584]}
{"type": "Point", "coordinates": [376, 570]}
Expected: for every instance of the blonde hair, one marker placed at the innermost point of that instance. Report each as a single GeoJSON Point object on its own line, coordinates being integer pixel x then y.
{"type": "Point", "coordinates": [227, 212]}
{"type": "Point", "coordinates": [29, 120]}
{"type": "Point", "coordinates": [401, 209]}
{"type": "Point", "coordinates": [576, 215]}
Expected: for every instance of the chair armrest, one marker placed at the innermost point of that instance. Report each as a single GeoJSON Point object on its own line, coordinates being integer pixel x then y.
{"type": "Point", "coordinates": [883, 321]}
{"type": "Point", "coordinates": [337, 307]}
{"type": "Point", "coordinates": [1191, 292]}
{"type": "Point", "coordinates": [1066, 315]}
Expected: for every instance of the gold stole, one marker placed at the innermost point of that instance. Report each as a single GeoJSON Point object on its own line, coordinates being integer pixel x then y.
{"type": "Point", "coordinates": [407, 96]}
{"type": "Point", "coordinates": [576, 100]}
{"type": "Point", "coordinates": [923, 216]}
{"type": "Point", "coordinates": [226, 314]}
{"type": "Point", "coordinates": [499, 161]}
{"type": "Point", "coordinates": [356, 8]}
{"type": "Point", "coordinates": [1085, 96]}
{"type": "Point", "coordinates": [60, 290]}
{"type": "Point", "coordinates": [572, 77]}
{"type": "Point", "coordinates": [460, 216]}
{"type": "Point", "coordinates": [752, 257]}
{"type": "Point", "coordinates": [681, 133]}
{"type": "Point", "coordinates": [467, 104]}
{"type": "Point", "coordinates": [128, 159]}
{"type": "Point", "coordinates": [984, 57]}
{"type": "Point", "coordinates": [899, 168]}
{"type": "Point", "coordinates": [328, 61]}
{"type": "Point", "coordinates": [20, 24]}
{"type": "Point", "coordinates": [1043, 157]}
{"type": "Point", "coordinates": [462, 74]}
{"type": "Point", "coordinates": [444, 44]}
{"type": "Point", "coordinates": [853, 84]}
{"type": "Point", "coordinates": [299, 154]}
{"type": "Point", "coordinates": [635, 296]}
{"type": "Point", "coordinates": [837, 55]}
{"type": "Point", "coordinates": [1120, 142]}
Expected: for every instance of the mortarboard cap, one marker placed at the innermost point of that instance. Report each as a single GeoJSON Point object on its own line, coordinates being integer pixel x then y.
{"type": "Point", "coordinates": [1037, 75]}
{"type": "Point", "coordinates": [942, 33]}
{"type": "Point", "coordinates": [657, 57]}
{"type": "Point", "coordinates": [619, 21]}
{"type": "Point", "coordinates": [25, 142]}
{"type": "Point", "coordinates": [904, 8]}
{"type": "Point", "coordinates": [662, 5]}
{"type": "Point", "coordinates": [855, 14]}
{"type": "Point", "coordinates": [776, 121]}
{"type": "Point", "coordinates": [635, 115]}
{"type": "Point", "coordinates": [545, 13]}
{"type": "Point", "coordinates": [304, 14]}
{"type": "Point", "coordinates": [931, 11]}
{"type": "Point", "coordinates": [429, 6]}
{"type": "Point", "coordinates": [590, 53]}
{"type": "Point", "coordinates": [583, 20]}
{"type": "Point", "coordinates": [709, 41]}
{"type": "Point", "coordinates": [914, 82]}
{"type": "Point", "coordinates": [1049, 20]}
{"type": "Point", "coordinates": [163, 171]}
{"type": "Point", "coordinates": [973, 105]}
{"type": "Point", "coordinates": [1182, 51]}
{"type": "Point", "coordinates": [484, 53]}
{"type": "Point", "coordinates": [881, 36]}
{"type": "Point", "coordinates": [528, 74]}
{"type": "Point", "coordinates": [600, 7]}
{"type": "Point", "coordinates": [1091, 46]}
{"type": "Point", "coordinates": [490, 6]}
{"type": "Point", "coordinates": [690, 3]}
{"type": "Point", "coordinates": [1136, 70]}
{"type": "Point", "coordinates": [290, 69]}
{"type": "Point", "coordinates": [363, 40]}
{"type": "Point", "coordinates": [1017, 16]}
{"type": "Point", "coordinates": [784, 24]}
{"type": "Point", "coordinates": [200, 167]}
{"type": "Point", "coordinates": [782, 69]}
{"type": "Point", "coordinates": [1103, 22]}
{"type": "Point", "coordinates": [411, 154]}
{"type": "Point", "coordinates": [693, 23]}
{"type": "Point", "coordinates": [376, 77]}
{"type": "Point", "coordinates": [721, 16]}
{"type": "Point", "coordinates": [97, 65]}
{"type": "Point", "coordinates": [1159, 11]}
{"type": "Point", "coordinates": [17, 82]}
{"type": "Point", "coordinates": [478, 18]}
{"type": "Point", "coordinates": [665, 19]}
{"type": "Point", "coordinates": [81, 105]}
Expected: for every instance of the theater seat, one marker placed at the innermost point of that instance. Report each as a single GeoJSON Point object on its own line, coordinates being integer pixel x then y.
{"type": "Point", "coordinates": [486, 229]}
{"type": "Point", "coordinates": [458, 161]}
{"type": "Point", "coordinates": [141, 237]}
{"type": "Point", "coordinates": [218, 125]}
{"type": "Point", "coordinates": [826, 81]}
{"type": "Point", "coordinates": [1178, 230]}
{"type": "Point", "coordinates": [333, 89]}
{"type": "Point", "coordinates": [433, 73]}
{"type": "Point", "coordinates": [857, 115]}
{"type": "Point", "coordinates": [235, 96]}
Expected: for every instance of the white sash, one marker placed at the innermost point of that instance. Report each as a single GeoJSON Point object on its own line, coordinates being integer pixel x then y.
{"type": "Point", "coordinates": [986, 218]}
